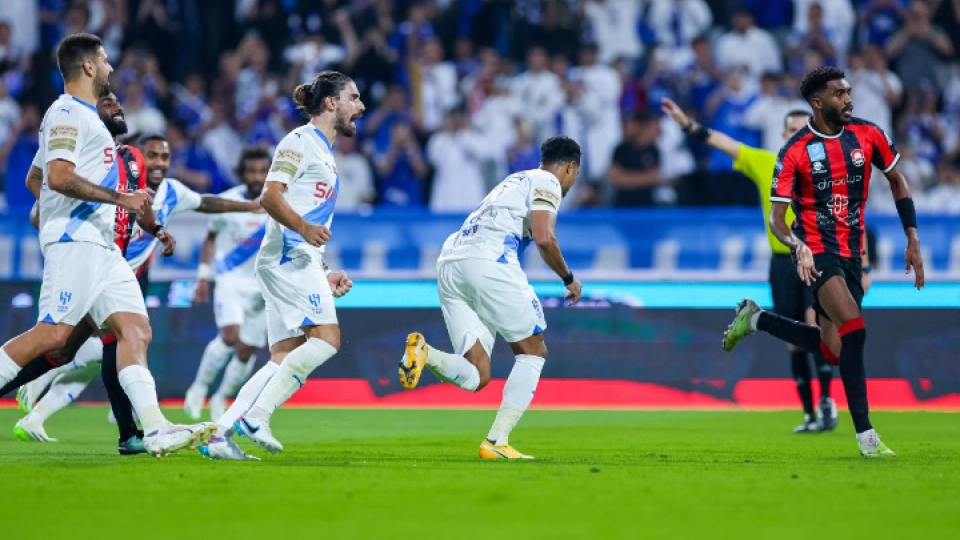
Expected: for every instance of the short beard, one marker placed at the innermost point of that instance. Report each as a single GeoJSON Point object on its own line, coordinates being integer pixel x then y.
{"type": "Point", "coordinates": [101, 88]}
{"type": "Point", "coordinates": [835, 117]}
{"type": "Point", "coordinates": [345, 127]}
{"type": "Point", "coordinates": [116, 128]}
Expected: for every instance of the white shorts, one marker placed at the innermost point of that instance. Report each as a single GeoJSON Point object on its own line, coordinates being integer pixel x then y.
{"type": "Point", "coordinates": [481, 298]}
{"type": "Point", "coordinates": [297, 294]}
{"type": "Point", "coordinates": [238, 302]}
{"type": "Point", "coordinates": [81, 278]}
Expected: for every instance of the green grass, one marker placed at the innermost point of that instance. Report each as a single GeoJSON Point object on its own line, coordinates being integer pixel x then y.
{"type": "Point", "coordinates": [413, 474]}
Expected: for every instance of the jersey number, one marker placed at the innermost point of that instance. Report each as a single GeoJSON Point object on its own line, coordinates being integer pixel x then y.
{"type": "Point", "coordinates": [108, 155]}
{"type": "Point", "coordinates": [323, 191]}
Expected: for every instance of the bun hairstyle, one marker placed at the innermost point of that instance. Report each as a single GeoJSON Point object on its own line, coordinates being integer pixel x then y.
{"type": "Point", "coordinates": [309, 96]}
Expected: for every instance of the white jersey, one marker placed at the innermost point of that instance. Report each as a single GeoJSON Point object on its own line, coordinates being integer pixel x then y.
{"type": "Point", "coordinates": [172, 198]}
{"type": "Point", "coordinates": [304, 163]}
{"type": "Point", "coordinates": [239, 235]}
{"type": "Point", "coordinates": [72, 131]}
{"type": "Point", "coordinates": [499, 229]}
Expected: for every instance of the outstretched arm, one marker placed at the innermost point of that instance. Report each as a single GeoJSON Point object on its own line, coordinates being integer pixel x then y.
{"type": "Point", "coordinates": [715, 139]}
{"type": "Point", "coordinates": [211, 204]}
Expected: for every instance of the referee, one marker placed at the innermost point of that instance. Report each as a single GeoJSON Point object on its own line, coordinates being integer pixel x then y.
{"type": "Point", "coordinates": [791, 297]}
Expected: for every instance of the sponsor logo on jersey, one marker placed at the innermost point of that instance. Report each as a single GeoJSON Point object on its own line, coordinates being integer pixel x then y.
{"type": "Point", "coordinates": [857, 157]}
{"type": "Point", "coordinates": [839, 205]}
{"type": "Point", "coordinates": [816, 152]}
{"type": "Point", "coordinates": [547, 196]}
{"type": "Point", "coordinates": [843, 181]}
{"type": "Point", "coordinates": [64, 131]}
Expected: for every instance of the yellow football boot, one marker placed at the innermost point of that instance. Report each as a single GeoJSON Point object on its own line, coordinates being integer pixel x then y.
{"type": "Point", "coordinates": [413, 361]}
{"type": "Point", "coordinates": [488, 450]}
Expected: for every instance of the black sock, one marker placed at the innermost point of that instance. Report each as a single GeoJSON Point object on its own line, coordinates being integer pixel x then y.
{"type": "Point", "coordinates": [119, 402]}
{"type": "Point", "coordinates": [852, 371]}
{"type": "Point", "coordinates": [30, 372]}
{"type": "Point", "coordinates": [793, 332]}
{"type": "Point", "coordinates": [824, 373]}
{"type": "Point", "coordinates": [802, 376]}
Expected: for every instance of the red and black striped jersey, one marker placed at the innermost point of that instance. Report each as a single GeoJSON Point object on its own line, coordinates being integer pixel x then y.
{"type": "Point", "coordinates": [826, 179]}
{"type": "Point", "coordinates": [132, 177]}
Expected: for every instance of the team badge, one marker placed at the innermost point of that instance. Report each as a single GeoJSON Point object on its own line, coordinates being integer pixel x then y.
{"type": "Point", "coordinates": [134, 169]}
{"type": "Point", "coordinates": [816, 152]}
{"type": "Point", "coordinates": [817, 167]}
{"type": "Point", "coordinates": [857, 157]}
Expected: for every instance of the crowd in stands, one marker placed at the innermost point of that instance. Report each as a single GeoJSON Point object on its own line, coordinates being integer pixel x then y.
{"type": "Point", "coordinates": [460, 92]}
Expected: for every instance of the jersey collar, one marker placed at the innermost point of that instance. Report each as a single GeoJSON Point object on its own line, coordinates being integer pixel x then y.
{"type": "Point", "coordinates": [818, 134]}
{"type": "Point", "coordinates": [84, 103]}
{"type": "Point", "coordinates": [323, 138]}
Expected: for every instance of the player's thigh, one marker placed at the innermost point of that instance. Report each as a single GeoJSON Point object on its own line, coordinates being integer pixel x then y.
{"type": "Point", "coordinates": [229, 300]}
{"type": "Point", "coordinates": [296, 295]}
{"type": "Point", "coordinates": [835, 300]}
{"type": "Point", "coordinates": [829, 335]}
{"type": "Point", "coordinates": [253, 329]}
{"type": "Point", "coordinates": [786, 288]}
{"type": "Point", "coordinates": [504, 299]}
{"type": "Point", "coordinates": [74, 275]}
{"type": "Point", "coordinates": [120, 295]}
{"type": "Point", "coordinates": [464, 325]}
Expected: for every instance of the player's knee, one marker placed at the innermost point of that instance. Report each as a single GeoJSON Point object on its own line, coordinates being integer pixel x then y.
{"type": "Point", "coordinates": [541, 350]}
{"type": "Point", "coordinates": [230, 335]}
{"type": "Point", "coordinates": [54, 336]}
{"type": "Point", "coordinates": [484, 379]}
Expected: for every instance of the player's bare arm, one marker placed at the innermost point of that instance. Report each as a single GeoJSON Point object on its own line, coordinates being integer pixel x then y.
{"type": "Point", "coordinates": [64, 180]}
{"type": "Point", "coordinates": [543, 225]}
{"type": "Point", "coordinates": [201, 293]}
{"type": "Point", "coordinates": [778, 224]}
{"type": "Point", "coordinates": [715, 139]}
{"type": "Point", "coordinates": [277, 208]}
{"type": "Point", "coordinates": [211, 204]}
{"type": "Point", "coordinates": [908, 217]}
{"type": "Point", "coordinates": [35, 180]}
{"type": "Point", "coordinates": [148, 222]}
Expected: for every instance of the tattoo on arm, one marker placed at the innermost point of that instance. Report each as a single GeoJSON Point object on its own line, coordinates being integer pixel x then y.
{"type": "Point", "coordinates": [35, 180]}
{"type": "Point", "coordinates": [79, 188]}
{"type": "Point", "coordinates": [211, 204]}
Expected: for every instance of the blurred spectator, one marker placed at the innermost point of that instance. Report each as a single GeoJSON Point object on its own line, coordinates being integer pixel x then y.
{"type": "Point", "coordinates": [947, 15]}
{"type": "Point", "coordinates": [464, 58]}
{"type": "Point", "coordinates": [525, 153]}
{"type": "Point", "coordinates": [9, 114]}
{"type": "Point", "coordinates": [17, 153]}
{"type": "Point", "coordinates": [540, 92]}
{"type": "Point", "coordinates": [749, 47]}
{"type": "Point", "coordinates": [402, 169]}
{"type": "Point", "coordinates": [921, 126]}
{"type": "Point", "coordinates": [881, 20]}
{"type": "Point", "coordinates": [918, 48]}
{"type": "Point", "coordinates": [372, 66]}
{"type": "Point", "coordinates": [838, 17]}
{"type": "Point", "coordinates": [727, 108]}
{"type": "Point", "coordinates": [356, 176]}
{"type": "Point", "coordinates": [141, 117]}
{"type": "Point", "coordinates": [23, 18]}
{"type": "Point", "coordinates": [251, 80]}
{"type": "Point", "coordinates": [701, 78]}
{"type": "Point", "coordinates": [813, 37]}
{"type": "Point", "coordinates": [635, 169]}
{"type": "Point", "coordinates": [945, 197]}
{"type": "Point", "coordinates": [378, 125]}
{"type": "Point", "coordinates": [599, 106]}
{"type": "Point", "coordinates": [878, 90]}
{"type": "Point", "coordinates": [190, 102]}
{"type": "Point", "coordinates": [676, 23]}
{"type": "Point", "coordinates": [771, 14]}
{"type": "Point", "coordinates": [767, 112]}
{"type": "Point", "coordinates": [11, 56]}
{"type": "Point", "coordinates": [457, 154]}
{"type": "Point", "coordinates": [411, 34]}
{"type": "Point", "coordinates": [224, 145]}
{"type": "Point", "coordinates": [436, 91]}
{"type": "Point", "coordinates": [189, 163]}
{"type": "Point", "coordinates": [614, 28]}
{"type": "Point", "coordinates": [633, 94]}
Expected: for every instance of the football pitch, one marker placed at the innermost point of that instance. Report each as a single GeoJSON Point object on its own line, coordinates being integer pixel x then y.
{"type": "Point", "coordinates": [414, 474]}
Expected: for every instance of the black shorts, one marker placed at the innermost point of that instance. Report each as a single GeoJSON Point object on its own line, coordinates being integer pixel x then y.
{"type": "Point", "coordinates": [791, 297]}
{"type": "Point", "coordinates": [143, 278]}
{"type": "Point", "coordinates": [830, 265]}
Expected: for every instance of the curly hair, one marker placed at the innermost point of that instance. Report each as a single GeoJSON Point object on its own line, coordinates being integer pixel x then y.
{"type": "Point", "coordinates": [309, 96]}
{"type": "Point", "coordinates": [815, 81]}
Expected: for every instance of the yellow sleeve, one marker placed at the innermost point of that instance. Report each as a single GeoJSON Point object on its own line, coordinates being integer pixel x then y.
{"type": "Point", "coordinates": [758, 165]}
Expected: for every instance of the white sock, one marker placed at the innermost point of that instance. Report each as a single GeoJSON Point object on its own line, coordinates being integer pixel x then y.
{"type": "Point", "coordinates": [138, 384]}
{"type": "Point", "coordinates": [234, 376]}
{"type": "Point", "coordinates": [215, 355]}
{"type": "Point", "coordinates": [65, 390]}
{"type": "Point", "coordinates": [753, 320]}
{"type": "Point", "coordinates": [8, 368]}
{"type": "Point", "coordinates": [517, 395]}
{"type": "Point", "coordinates": [90, 351]}
{"type": "Point", "coordinates": [248, 394]}
{"type": "Point", "coordinates": [291, 376]}
{"type": "Point", "coordinates": [453, 368]}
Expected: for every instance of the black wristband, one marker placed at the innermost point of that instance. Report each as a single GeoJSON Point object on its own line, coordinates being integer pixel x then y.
{"type": "Point", "coordinates": [700, 132]}
{"type": "Point", "coordinates": [157, 229]}
{"type": "Point", "coordinates": [908, 213]}
{"type": "Point", "coordinates": [568, 279]}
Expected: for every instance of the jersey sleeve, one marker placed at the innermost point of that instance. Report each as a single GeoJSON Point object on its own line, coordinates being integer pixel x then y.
{"type": "Point", "coordinates": [545, 193]}
{"type": "Point", "coordinates": [63, 133]}
{"type": "Point", "coordinates": [885, 155]}
{"type": "Point", "coordinates": [784, 175]}
{"type": "Point", "coordinates": [288, 159]}
{"type": "Point", "coordinates": [758, 165]}
{"type": "Point", "coordinates": [187, 199]}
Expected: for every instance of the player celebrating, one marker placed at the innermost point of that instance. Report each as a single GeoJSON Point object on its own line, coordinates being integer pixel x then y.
{"type": "Point", "coordinates": [824, 173]}
{"type": "Point", "coordinates": [238, 305]}
{"type": "Point", "coordinates": [84, 271]}
{"type": "Point", "coordinates": [300, 196]}
{"type": "Point", "coordinates": [791, 297]}
{"type": "Point", "coordinates": [483, 291]}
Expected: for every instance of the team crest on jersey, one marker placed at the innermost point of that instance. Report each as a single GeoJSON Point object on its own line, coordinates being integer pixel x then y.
{"type": "Point", "coordinates": [817, 167]}
{"type": "Point", "coordinates": [65, 298]}
{"type": "Point", "coordinates": [857, 157]}
{"type": "Point", "coordinates": [816, 152]}
{"type": "Point", "coordinates": [315, 301]}
{"type": "Point", "coordinates": [134, 169]}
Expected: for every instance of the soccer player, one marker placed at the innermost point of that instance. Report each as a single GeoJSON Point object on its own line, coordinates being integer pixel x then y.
{"type": "Point", "coordinates": [84, 272]}
{"type": "Point", "coordinates": [234, 240]}
{"type": "Point", "coordinates": [823, 171]}
{"type": "Point", "coordinates": [791, 297]}
{"type": "Point", "coordinates": [300, 195]}
{"type": "Point", "coordinates": [483, 291]}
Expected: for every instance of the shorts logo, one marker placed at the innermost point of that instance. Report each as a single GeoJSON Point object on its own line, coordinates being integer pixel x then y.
{"type": "Point", "coordinates": [315, 300]}
{"type": "Point", "coordinates": [536, 308]}
{"type": "Point", "coordinates": [816, 152]}
{"type": "Point", "coordinates": [65, 297]}
{"type": "Point", "coordinates": [857, 157]}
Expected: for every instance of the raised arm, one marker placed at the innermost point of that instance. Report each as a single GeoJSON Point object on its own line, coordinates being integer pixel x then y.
{"type": "Point", "coordinates": [211, 204]}
{"type": "Point", "coordinates": [715, 139]}
{"type": "Point", "coordinates": [543, 224]}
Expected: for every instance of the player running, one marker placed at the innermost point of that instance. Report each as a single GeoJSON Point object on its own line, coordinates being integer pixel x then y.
{"type": "Point", "coordinates": [234, 240]}
{"type": "Point", "coordinates": [84, 271]}
{"type": "Point", "coordinates": [791, 297]}
{"type": "Point", "coordinates": [300, 196]}
{"type": "Point", "coordinates": [483, 291]}
{"type": "Point", "coordinates": [823, 171]}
